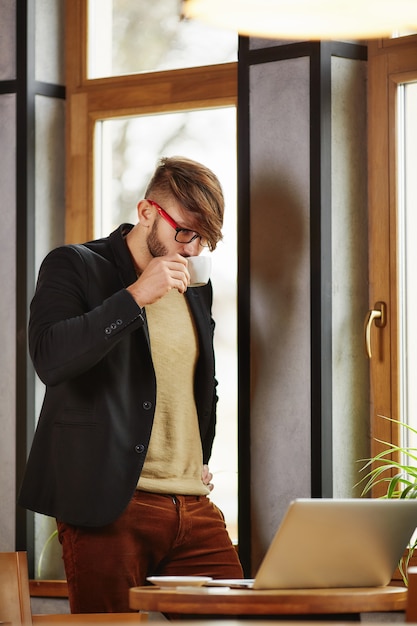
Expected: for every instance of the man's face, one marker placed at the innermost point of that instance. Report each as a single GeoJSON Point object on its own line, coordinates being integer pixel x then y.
{"type": "Point", "coordinates": [161, 238]}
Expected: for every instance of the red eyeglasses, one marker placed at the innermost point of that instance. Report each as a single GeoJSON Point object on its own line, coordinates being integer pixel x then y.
{"type": "Point", "coordinates": [182, 235]}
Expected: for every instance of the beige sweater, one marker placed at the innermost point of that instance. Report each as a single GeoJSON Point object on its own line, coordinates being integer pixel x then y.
{"type": "Point", "coordinates": [174, 460]}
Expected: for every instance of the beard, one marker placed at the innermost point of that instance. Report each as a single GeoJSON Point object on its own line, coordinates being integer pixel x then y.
{"type": "Point", "coordinates": [155, 247]}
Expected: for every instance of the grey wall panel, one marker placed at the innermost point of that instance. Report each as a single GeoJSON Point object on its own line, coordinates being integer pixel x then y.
{"type": "Point", "coordinates": [49, 41]}
{"type": "Point", "coordinates": [49, 233]}
{"type": "Point", "coordinates": [7, 319]}
{"type": "Point", "coordinates": [50, 175]}
{"type": "Point", "coordinates": [280, 293]}
{"type": "Point", "coordinates": [256, 43]}
{"type": "Point", "coordinates": [349, 273]}
{"type": "Point", "coordinates": [7, 39]}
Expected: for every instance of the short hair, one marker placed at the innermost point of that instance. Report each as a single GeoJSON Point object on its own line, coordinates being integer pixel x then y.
{"type": "Point", "coordinates": [196, 188]}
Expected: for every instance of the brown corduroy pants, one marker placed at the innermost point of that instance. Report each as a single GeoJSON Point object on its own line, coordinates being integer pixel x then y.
{"type": "Point", "coordinates": [157, 535]}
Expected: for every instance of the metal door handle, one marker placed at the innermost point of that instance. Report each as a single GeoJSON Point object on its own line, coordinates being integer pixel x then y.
{"type": "Point", "coordinates": [379, 316]}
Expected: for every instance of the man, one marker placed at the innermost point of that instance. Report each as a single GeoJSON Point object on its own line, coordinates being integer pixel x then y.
{"type": "Point", "coordinates": [125, 350]}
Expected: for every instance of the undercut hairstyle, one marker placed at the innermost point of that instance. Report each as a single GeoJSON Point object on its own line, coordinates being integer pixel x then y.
{"type": "Point", "coordinates": [196, 188]}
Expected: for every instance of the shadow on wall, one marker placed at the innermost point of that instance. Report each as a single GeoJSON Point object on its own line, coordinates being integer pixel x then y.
{"type": "Point", "coordinates": [278, 244]}
{"type": "Point", "coordinates": [280, 355]}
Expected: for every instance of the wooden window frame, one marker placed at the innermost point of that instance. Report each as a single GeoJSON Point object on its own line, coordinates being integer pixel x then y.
{"type": "Point", "coordinates": [89, 100]}
{"type": "Point", "coordinates": [390, 62]}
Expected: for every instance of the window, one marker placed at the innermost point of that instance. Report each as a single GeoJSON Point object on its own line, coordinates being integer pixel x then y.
{"type": "Point", "coordinates": [127, 37]}
{"type": "Point", "coordinates": [407, 256]}
{"type": "Point", "coordinates": [392, 71]}
{"type": "Point", "coordinates": [125, 153]}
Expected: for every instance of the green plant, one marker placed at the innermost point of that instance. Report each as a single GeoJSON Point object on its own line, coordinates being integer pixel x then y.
{"type": "Point", "coordinates": [399, 477]}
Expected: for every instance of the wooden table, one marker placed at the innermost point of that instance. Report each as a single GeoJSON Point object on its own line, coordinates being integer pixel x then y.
{"type": "Point", "coordinates": [219, 602]}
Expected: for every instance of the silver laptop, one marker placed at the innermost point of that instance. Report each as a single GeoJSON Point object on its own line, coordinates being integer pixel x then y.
{"type": "Point", "coordinates": [325, 543]}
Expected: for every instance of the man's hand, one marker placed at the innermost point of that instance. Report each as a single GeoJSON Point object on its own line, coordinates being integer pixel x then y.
{"type": "Point", "coordinates": [160, 276]}
{"type": "Point", "coordinates": [207, 477]}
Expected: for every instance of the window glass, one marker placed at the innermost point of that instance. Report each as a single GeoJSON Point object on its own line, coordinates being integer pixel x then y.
{"type": "Point", "coordinates": [407, 254]}
{"type": "Point", "coordinates": [126, 152]}
{"type": "Point", "coordinates": [131, 36]}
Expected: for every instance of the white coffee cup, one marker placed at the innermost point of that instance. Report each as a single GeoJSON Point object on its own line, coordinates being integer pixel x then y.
{"type": "Point", "coordinates": [199, 268]}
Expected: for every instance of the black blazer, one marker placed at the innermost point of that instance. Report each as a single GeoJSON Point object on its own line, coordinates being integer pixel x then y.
{"type": "Point", "coordinates": [89, 343]}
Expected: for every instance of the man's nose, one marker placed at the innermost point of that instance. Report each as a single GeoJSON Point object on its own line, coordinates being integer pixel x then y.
{"type": "Point", "coordinates": [191, 249]}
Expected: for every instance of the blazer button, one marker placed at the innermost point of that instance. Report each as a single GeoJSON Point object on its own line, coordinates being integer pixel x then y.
{"type": "Point", "coordinates": [139, 448]}
{"type": "Point", "coordinates": [147, 405]}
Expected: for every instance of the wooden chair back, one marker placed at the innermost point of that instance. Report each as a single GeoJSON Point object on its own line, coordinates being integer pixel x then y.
{"type": "Point", "coordinates": [14, 589]}
{"type": "Point", "coordinates": [411, 611]}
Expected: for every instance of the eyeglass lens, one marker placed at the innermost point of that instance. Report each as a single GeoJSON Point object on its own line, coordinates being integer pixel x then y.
{"type": "Point", "coordinates": [184, 235]}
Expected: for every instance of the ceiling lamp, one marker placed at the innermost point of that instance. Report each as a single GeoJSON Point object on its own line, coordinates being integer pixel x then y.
{"type": "Point", "coordinates": [308, 19]}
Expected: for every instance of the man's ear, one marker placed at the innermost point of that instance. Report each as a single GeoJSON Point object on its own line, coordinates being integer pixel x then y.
{"type": "Point", "coordinates": [145, 213]}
